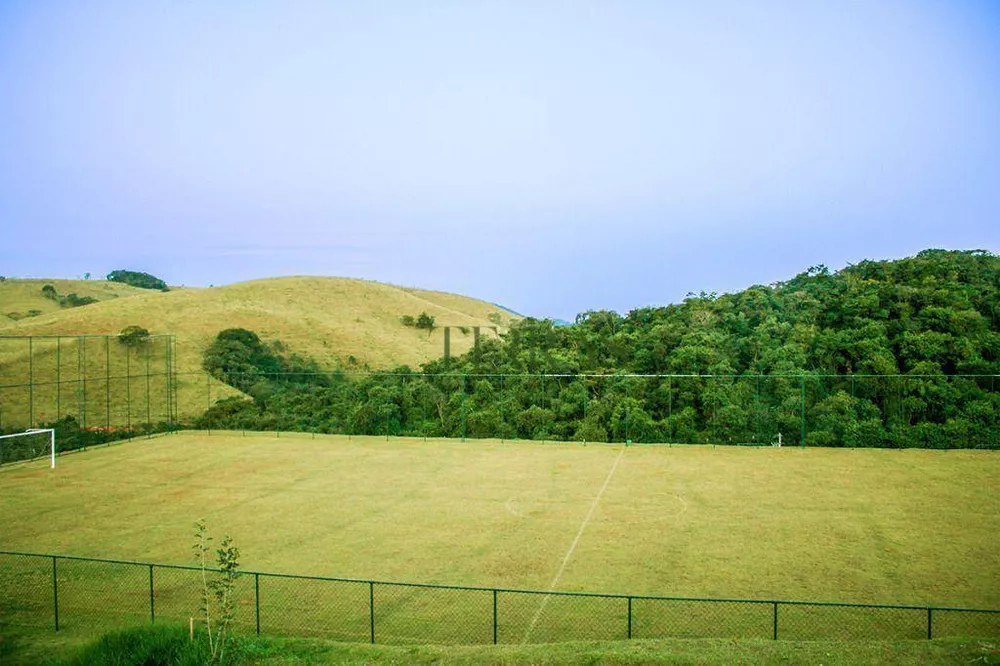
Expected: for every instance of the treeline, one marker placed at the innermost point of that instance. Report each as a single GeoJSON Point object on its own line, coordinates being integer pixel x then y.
{"type": "Point", "coordinates": [883, 353]}
{"type": "Point", "coordinates": [138, 279]}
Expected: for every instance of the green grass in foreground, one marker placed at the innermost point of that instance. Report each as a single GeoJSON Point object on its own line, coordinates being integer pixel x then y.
{"type": "Point", "coordinates": [170, 645]}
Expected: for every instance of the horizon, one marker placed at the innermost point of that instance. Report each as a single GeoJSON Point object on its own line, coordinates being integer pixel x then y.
{"type": "Point", "coordinates": [551, 158]}
{"type": "Point", "coordinates": [832, 270]}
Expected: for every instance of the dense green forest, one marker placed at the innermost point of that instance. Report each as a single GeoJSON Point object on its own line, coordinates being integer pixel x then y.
{"type": "Point", "coordinates": [883, 353]}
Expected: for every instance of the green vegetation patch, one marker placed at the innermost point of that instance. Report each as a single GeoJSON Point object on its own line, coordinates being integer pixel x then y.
{"type": "Point", "coordinates": [170, 646]}
{"type": "Point", "coordinates": [883, 354]}
{"type": "Point", "coordinates": [138, 279]}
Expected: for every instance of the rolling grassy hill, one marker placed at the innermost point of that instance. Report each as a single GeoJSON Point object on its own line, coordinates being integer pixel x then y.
{"type": "Point", "coordinates": [339, 322]}
{"type": "Point", "coordinates": [21, 299]}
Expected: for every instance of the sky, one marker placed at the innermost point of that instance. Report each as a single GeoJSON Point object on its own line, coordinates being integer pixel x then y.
{"type": "Point", "coordinates": [551, 157]}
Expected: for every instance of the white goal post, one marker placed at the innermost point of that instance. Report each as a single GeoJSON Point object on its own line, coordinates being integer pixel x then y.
{"type": "Point", "coordinates": [38, 431]}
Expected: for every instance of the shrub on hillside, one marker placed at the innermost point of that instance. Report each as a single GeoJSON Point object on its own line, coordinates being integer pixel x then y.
{"type": "Point", "coordinates": [74, 301]}
{"type": "Point", "coordinates": [241, 359]}
{"type": "Point", "coordinates": [133, 336]}
{"type": "Point", "coordinates": [67, 301]}
{"type": "Point", "coordinates": [233, 413]}
{"type": "Point", "coordinates": [425, 321]}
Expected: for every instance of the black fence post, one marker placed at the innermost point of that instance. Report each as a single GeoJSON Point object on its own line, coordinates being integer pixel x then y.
{"type": "Point", "coordinates": [152, 607]}
{"type": "Point", "coordinates": [107, 382]}
{"type": "Point", "coordinates": [503, 422]}
{"type": "Point", "coordinates": [630, 618]}
{"type": "Point", "coordinates": [55, 592]}
{"type": "Point", "coordinates": [81, 376]}
{"type": "Point", "coordinates": [149, 417]}
{"type": "Point", "coordinates": [495, 623]}
{"type": "Point", "coordinates": [128, 391]}
{"type": "Point", "coordinates": [464, 417]}
{"type": "Point", "coordinates": [58, 382]}
{"type": "Point", "coordinates": [31, 384]}
{"type": "Point", "coordinates": [371, 608]}
{"type": "Point", "coordinates": [774, 634]}
{"type": "Point", "coordinates": [256, 597]}
{"type": "Point", "coordinates": [930, 621]}
{"type": "Point", "coordinates": [802, 406]}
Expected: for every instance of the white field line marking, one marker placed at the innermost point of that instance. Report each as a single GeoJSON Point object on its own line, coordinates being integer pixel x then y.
{"type": "Point", "coordinates": [572, 547]}
{"type": "Point", "coordinates": [511, 504]}
{"type": "Point", "coordinates": [684, 505]}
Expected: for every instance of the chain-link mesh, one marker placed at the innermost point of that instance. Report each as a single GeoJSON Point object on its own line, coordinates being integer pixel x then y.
{"type": "Point", "coordinates": [814, 410]}
{"type": "Point", "coordinates": [965, 623]}
{"type": "Point", "coordinates": [411, 614]}
{"type": "Point", "coordinates": [244, 604]}
{"type": "Point", "coordinates": [99, 381]}
{"type": "Point", "coordinates": [178, 596]}
{"type": "Point", "coordinates": [539, 617]}
{"type": "Point", "coordinates": [102, 595]}
{"type": "Point", "coordinates": [26, 593]}
{"type": "Point", "coordinates": [676, 618]}
{"type": "Point", "coordinates": [88, 595]}
{"type": "Point", "coordinates": [841, 623]}
{"type": "Point", "coordinates": [292, 606]}
{"type": "Point", "coordinates": [107, 385]}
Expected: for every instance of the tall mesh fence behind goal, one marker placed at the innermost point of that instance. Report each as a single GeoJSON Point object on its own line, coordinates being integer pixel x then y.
{"type": "Point", "coordinates": [27, 445]}
{"type": "Point", "coordinates": [98, 383]}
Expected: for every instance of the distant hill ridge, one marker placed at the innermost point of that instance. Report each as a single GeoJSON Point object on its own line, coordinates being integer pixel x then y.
{"type": "Point", "coordinates": [336, 321]}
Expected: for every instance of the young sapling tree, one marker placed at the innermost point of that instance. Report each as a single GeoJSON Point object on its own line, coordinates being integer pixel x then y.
{"type": "Point", "coordinates": [217, 591]}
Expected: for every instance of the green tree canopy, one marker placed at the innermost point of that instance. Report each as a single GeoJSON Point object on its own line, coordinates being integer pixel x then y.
{"type": "Point", "coordinates": [137, 279]}
{"type": "Point", "coordinates": [881, 353]}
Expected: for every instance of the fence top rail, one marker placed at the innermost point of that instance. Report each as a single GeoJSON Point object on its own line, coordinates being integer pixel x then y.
{"type": "Point", "coordinates": [76, 336]}
{"type": "Point", "coordinates": [641, 597]}
{"type": "Point", "coordinates": [590, 375]}
{"type": "Point", "coordinates": [75, 380]}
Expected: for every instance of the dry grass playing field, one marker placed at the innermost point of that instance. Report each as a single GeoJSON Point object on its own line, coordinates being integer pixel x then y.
{"type": "Point", "coordinates": [910, 526]}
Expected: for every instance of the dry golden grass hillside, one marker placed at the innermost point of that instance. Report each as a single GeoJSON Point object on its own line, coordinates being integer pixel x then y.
{"type": "Point", "coordinates": [329, 319]}
{"type": "Point", "coordinates": [339, 322]}
{"type": "Point", "coordinates": [20, 299]}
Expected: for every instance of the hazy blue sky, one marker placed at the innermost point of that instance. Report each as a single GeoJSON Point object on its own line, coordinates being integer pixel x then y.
{"type": "Point", "coordinates": [553, 157]}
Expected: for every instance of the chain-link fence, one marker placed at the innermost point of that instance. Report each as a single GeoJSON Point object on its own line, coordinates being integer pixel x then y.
{"type": "Point", "coordinates": [99, 381]}
{"type": "Point", "coordinates": [892, 411]}
{"type": "Point", "coordinates": [104, 384]}
{"type": "Point", "coordinates": [91, 595]}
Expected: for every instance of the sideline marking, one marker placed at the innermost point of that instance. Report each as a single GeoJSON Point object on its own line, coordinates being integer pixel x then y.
{"type": "Point", "coordinates": [572, 547]}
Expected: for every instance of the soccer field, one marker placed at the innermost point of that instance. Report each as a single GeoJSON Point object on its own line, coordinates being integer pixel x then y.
{"type": "Point", "coordinates": [878, 526]}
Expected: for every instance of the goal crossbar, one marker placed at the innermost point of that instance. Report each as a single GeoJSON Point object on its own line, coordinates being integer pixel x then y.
{"type": "Point", "coordinates": [36, 431]}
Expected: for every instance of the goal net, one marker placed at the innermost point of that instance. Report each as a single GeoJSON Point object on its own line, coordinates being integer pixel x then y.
{"type": "Point", "coordinates": [28, 445]}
